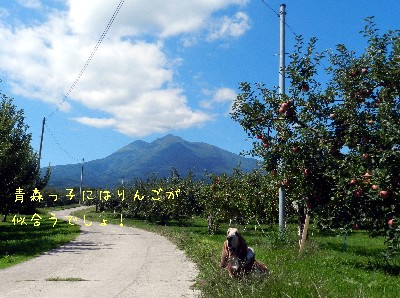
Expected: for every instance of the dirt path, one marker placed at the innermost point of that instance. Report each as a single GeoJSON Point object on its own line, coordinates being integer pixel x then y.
{"type": "Point", "coordinates": [113, 261]}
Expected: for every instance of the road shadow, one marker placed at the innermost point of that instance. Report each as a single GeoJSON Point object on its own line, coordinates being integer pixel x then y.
{"type": "Point", "coordinates": [79, 247]}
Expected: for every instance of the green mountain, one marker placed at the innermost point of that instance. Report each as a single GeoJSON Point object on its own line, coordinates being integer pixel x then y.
{"type": "Point", "coordinates": [140, 159]}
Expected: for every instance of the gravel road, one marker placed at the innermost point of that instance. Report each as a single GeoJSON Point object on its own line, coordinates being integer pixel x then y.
{"type": "Point", "coordinates": [110, 261]}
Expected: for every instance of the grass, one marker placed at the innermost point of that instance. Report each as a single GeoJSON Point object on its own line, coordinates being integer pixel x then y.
{"type": "Point", "coordinates": [324, 269]}
{"type": "Point", "coordinates": [19, 243]}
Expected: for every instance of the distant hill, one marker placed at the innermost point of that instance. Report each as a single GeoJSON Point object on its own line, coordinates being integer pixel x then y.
{"type": "Point", "coordinates": [140, 158]}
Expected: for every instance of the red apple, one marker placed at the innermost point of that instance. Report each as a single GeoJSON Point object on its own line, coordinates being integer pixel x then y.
{"type": "Point", "coordinates": [375, 187]}
{"type": "Point", "coordinates": [365, 155]}
{"type": "Point", "coordinates": [259, 137]}
{"type": "Point", "coordinates": [285, 106]}
{"type": "Point", "coordinates": [367, 175]}
{"type": "Point", "coordinates": [358, 193]}
{"type": "Point", "coordinates": [391, 222]}
{"type": "Point", "coordinates": [281, 111]}
{"type": "Point", "coordinates": [285, 182]}
{"type": "Point", "coordinates": [371, 122]}
{"type": "Point", "coordinates": [384, 194]}
{"type": "Point", "coordinates": [295, 149]}
{"type": "Point", "coordinates": [353, 73]}
{"type": "Point", "coordinates": [364, 70]}
{"type": "Point", "coordinates": [306, 172]}
{"type": "Point", "coordinates": [356, 227]}
{"type": "Point", "coordinates": [332, 116]}
{"type": "Point", "coordinates": [265, 145]}
{"type": "Point", "coordinates": [305, 87]}
{"type": "Point", "coordinates": [353, 182]}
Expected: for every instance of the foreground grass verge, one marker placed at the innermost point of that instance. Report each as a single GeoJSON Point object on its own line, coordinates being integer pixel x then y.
{"type": "Point", "coordinates": [19, 243]}
{"type": "Point", "coordinates": [325, 269]}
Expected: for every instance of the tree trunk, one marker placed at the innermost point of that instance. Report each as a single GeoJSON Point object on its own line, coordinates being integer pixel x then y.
{"type": "Point", "coordinates": [302, 220]}
{"type": "Point", "coordinates": [305, 232]}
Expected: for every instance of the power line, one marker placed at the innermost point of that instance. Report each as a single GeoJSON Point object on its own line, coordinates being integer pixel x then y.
{"type": "Point", "coordinates": [278, 14]}
{"type": "Point", "coordinates": [59, 145]}
{"type": "Point", "coordinates": [270, 7]}
{"type": "Point", "coordinates": [103, 35]}
{"type": "Point", "coordinates": [90, 57]}
{"type": "Point", "coordinates": [290, 29]}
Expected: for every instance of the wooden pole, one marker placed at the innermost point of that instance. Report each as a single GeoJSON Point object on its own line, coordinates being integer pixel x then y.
{"type": "Point", "coordinates": [40, 152]}
{"type": "Point", "coordinates": [80, 188]}
{"type": "Point", "coordinates": [305, 231]}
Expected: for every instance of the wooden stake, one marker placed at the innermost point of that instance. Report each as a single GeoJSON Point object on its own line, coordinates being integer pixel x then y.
{"type": "Point", "coordinates": [305, 231]}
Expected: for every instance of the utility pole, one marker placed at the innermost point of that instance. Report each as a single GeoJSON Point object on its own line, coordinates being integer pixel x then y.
{"type": "Point", "coordinates": [80, 189]}
{"type": "Point", "coordinates": [282, 14]}
{"type": "Point", "coordinates": [40, 152]}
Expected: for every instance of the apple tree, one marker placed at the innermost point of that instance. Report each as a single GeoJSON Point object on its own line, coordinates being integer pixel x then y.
{"type": "Point", "coordinates": [242, 198]}
{"type": "Point", "coordinates": [288, 130]}
{"type": "Point", "coordinates": [18, 161]}
{"type": "Point", "coordinates": [333, 140]}
{"type": "Point", "coordinates": [366, 123]}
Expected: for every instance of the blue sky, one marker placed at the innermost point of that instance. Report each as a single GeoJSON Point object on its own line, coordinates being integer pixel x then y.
{"type": "Point", "coordinates": [164, 67]}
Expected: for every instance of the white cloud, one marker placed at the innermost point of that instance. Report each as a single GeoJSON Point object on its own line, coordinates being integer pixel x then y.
{"type": "Point", "coordinates": [157, 111]}
{"type": "Point", "coordinates": [218, 97]}
{"type": "Point", "coordinates": [224, 94]}
{"type": "Point", "coordinates": [42, 62]}
{"type": "Point", "coordinates": [3, 13]}
{"type": "Point", "coordinates": [34, 4]}
{"type": "Point", "coordinates": [96, 122]}
{"type": "Point", "coordinates": [130, 79]}
{"type": "Point", "coordinates": [230, 26]}
{"type": "Point", "coordinates": [159, 17]}
{"type": "Point", "coordinates": [189, 41]}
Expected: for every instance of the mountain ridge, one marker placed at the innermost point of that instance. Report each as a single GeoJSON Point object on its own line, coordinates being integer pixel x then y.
{"type": "Point", "coordinates": [140, 159]}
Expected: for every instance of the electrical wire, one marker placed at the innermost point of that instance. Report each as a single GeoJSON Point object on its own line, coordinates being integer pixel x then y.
{"type": "Point", "coordinates": [270, 7]}
{"type": "Point", "coordinates": [59, 145]}
{"type": "Point", "coordinates": [90, 57]}
{"type": "Point", "coordinates": [278, 14]}
{"type": "Point", "coordinates": [103, 35]}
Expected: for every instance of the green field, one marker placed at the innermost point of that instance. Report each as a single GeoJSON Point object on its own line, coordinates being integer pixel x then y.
{"type": "Point", "coordinates": [19, 243]}
{"type": "Point", "coordinates": [324, 269]}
